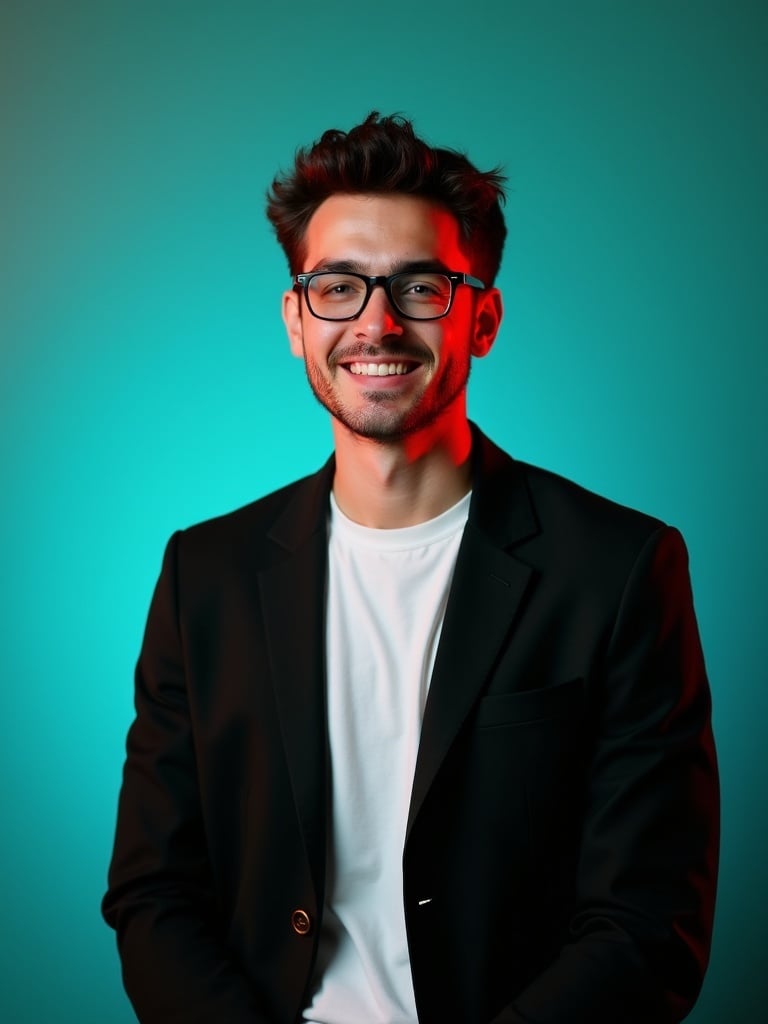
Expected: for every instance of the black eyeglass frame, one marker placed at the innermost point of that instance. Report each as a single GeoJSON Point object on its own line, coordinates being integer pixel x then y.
{"type": "Point", "coordinates": [301, 282]}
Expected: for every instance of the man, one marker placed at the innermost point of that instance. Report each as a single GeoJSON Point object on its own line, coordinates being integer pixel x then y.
{"type": "Point", "coordinates": [424, 736]}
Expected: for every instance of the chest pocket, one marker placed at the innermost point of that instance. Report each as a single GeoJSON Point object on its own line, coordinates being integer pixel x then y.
{"type": "Point", "coordinates": [563, 701]}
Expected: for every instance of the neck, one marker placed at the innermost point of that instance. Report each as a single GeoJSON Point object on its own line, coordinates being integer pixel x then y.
{"type": "Point", "coordinates": [387, 485]}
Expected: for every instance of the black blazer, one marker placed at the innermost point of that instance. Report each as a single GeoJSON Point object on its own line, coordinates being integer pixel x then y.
{"type": "Point", "coordinates": [560, 858]}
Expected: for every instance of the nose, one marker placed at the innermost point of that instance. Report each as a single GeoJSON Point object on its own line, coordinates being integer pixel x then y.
{"type": "Point", "coordinates": [379, 319]}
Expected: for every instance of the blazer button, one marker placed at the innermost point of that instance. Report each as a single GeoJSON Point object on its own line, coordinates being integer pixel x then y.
{"type": "Point", "coordinates": [301, 922]}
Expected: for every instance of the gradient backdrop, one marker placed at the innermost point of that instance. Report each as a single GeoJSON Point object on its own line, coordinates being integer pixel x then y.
{"type": "Point", "coordinates": [145, 380]}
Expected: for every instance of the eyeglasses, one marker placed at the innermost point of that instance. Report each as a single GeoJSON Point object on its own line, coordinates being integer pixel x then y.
{"type": "Point", "coordinates": [416, 296]}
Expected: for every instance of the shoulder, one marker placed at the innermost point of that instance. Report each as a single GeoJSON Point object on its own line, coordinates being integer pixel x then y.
{"type": "Point", "coordinates": [560, 502]}
{"type": "Point", "coordinates": [568, 527]}
{"type": "Point", "coordinates": [553, 500]}
{"type": "Point", "coordinates": [258, 533]}
{"type": "Point", "coordinates": [594, 537]}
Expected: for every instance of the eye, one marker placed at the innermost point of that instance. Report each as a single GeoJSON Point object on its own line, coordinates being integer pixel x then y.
{"type": "Point", "coordinates": [337, 287]}
{"type": "Point", "coordinates": [420, 288]}
{"type": "Point", "coordinates": [423, 288]}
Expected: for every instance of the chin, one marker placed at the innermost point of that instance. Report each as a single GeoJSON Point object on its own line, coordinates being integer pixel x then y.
{"type": "Point", "coordinates": [378, 425]}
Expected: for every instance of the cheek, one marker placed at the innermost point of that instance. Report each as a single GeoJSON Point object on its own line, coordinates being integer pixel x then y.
{"type": "Point", "coordinates": [319, 338]}
{"type": "Point", "coordinates": [454, 345]}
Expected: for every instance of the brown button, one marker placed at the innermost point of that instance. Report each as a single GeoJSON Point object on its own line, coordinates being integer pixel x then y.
{"type": "Point", "coordinates": [301, 922]}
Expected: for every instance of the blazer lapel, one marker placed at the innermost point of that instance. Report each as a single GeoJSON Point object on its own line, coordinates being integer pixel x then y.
{"type": "Point", "coordinates": [487, 589]}
{"type": "Point", "coordinates": [488, 586]}
{"type": "Point", "coordinates": [293, 599]}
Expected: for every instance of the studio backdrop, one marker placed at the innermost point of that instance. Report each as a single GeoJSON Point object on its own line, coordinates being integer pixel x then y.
{"type": "Point", "coordinates": [146, 382]}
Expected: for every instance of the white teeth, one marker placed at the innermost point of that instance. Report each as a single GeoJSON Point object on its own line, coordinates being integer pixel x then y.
{"type": "Point", "coordinates": [377, 369]}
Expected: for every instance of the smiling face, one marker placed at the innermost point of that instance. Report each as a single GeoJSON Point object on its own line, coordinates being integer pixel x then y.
{"type": "Point", "coordinates": [381, 375]}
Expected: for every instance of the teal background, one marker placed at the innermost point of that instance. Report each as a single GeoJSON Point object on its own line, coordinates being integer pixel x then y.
{"type": "Point", "coordinates": [145, 380]}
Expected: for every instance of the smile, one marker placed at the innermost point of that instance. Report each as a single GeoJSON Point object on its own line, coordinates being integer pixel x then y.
{"type": "Point", "coordinates": [379, 369]}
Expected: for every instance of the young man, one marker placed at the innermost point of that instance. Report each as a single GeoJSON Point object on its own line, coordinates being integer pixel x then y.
{"type": "Point", "coordinates": [425, 736]}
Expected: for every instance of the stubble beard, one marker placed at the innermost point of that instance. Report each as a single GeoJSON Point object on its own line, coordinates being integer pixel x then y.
{"type": "Point", "coordinates": [376, 421]}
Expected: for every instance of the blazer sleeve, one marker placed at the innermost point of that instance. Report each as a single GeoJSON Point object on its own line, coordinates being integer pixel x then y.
{"type": "Point", "coordinates": [639, 935]}
{"type": "Point", "coordinates": [177, 968]}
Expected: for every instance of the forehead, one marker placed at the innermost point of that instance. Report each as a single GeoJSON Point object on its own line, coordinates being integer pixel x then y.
{"type": "Point", "coordinates": [380, 232]}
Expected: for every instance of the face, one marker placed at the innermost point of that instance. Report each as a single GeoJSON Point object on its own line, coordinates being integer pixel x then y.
{"type": "Point", "coordinates": [381, 375]}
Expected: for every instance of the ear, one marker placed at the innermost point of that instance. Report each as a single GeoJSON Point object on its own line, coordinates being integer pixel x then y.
{"type": "Point", "coordinates": [488, 314]}
{"type": "Point", "coordinates": [292, 321]}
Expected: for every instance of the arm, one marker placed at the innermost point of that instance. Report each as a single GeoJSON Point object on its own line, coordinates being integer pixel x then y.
{"type": "Point", "coordinates": [161, 898]}
{"type": "Point", "coordinates": [640, 931]}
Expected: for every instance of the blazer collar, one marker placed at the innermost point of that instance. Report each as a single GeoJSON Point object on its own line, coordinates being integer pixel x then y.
{"type": "Point", "coordinates": [500, 507]}
{"type": "Point", "coordinates": [307, 512]}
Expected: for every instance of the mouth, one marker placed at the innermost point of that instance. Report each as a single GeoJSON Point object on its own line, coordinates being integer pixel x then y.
{"type": "Point", "coordinates": [384, 369]}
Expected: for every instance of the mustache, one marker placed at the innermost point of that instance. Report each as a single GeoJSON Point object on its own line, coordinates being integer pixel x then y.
{"type": "Point", "coordinates": [394, 351]}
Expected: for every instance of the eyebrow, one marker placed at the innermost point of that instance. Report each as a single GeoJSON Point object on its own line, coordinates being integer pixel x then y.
{"type": "Point", "coordinates": [400, 267]}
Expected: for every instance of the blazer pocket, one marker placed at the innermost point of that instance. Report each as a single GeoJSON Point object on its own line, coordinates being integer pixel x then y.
{"type": "Point", "coordinates": [552, 702]}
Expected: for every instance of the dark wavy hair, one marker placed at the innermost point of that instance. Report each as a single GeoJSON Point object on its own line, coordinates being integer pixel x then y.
{"type": "Point", "coordinates": [383, 155]}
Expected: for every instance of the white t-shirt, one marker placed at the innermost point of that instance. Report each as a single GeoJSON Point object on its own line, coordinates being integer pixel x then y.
{"type": "Point", "coordinates": [387, 592]}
